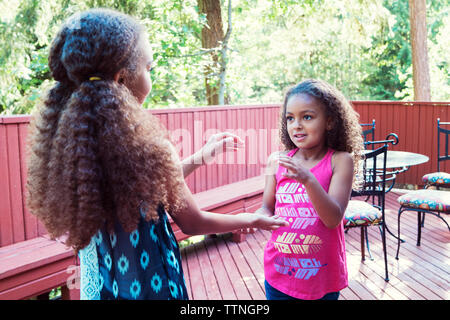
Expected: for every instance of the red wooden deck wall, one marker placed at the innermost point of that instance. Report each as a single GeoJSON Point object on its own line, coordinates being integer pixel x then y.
{"type": "Point", "coordinates": [415, 124]}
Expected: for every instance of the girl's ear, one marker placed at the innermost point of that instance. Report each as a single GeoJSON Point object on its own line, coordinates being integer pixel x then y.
{"type": "Point", "coordinates": [330, 124]}
{"type": "Point", "coordinates": [118, 77]}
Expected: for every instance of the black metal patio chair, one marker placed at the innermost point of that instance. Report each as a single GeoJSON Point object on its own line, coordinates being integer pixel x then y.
{"type": "Point", "coordinates": [368, 133]}
{"type": "Point", "coordinates": [434, 202]}
{"type": "Point", "coordinates": [364, 214]}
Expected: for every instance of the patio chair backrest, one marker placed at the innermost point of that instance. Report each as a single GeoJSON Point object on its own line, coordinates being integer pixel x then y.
{"type": "Point", "coordinates": [374, 176]}
{"type": "Point", "coordinates": [368, 134]}
{"type": "Point", "coordinates": [445, 132]}
{"type": "Point", "coordinates": [374, 171]}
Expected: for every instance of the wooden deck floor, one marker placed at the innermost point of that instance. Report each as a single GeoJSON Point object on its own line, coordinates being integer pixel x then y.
{"type": "Point", "coordinates": [218, 268]}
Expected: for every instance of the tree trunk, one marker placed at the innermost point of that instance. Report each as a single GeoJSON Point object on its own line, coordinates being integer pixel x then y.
{"type": "Point", "coordinates": [419, 49]}
{"type": "Point", "coordinates": [212, 35]}
{"type": "Point", "coordinates": [224, 58]}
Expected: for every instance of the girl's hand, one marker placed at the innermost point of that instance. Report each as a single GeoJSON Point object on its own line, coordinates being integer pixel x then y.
{"type": "Point", "coordinates": [264, 222]}
{"type": "Point", "coordinates": [295, 170]}
{"type": "Point", "coordinates": [219, 143]}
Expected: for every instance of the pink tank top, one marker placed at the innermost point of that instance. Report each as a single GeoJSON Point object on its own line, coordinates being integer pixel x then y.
{"type": "Point", "coordinates": [305, 260]}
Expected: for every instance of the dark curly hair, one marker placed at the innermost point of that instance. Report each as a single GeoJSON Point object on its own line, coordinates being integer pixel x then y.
{"type": "Point", "coordinates": [346, 133]}
{"type": "Point", "coordinates": [95, 156]}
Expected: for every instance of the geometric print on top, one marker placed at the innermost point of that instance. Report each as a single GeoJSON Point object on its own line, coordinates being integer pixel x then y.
{"type": "Point", "coordinates": [305, 259]}
{"type": "Point", "coordinates": [142, 264]}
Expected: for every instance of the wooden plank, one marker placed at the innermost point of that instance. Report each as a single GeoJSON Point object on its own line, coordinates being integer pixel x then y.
{"type": "Point", "coordinates": [197, 144]}
{"type": "Point", "coordinates": [6, 233]}
{"type": "Point", "coordinates": [402, 135]}
{"type": "Point", "coordinates": [254, 261]}
{"type": "Point", "coordinates": [241, 154]}
{"type": "Point", "coordinates": [15, 183]}
{"type": "Point", "coordinates": [35, 287]}
{"type": "Point", "coordinates": [348, 294]}
{"type": "Point", "coordinates": [24, 260]}
{"type": "Point", "coordinates": [209, 279]}
{"type": "Point", "coordinates": [39, 272]}
{"type": "Point", "coordinates": [23, 245]}
{"type": "Point", "coordinates": [200, 141]}
{"type": "Point", "coordinates": [231, 160]}
{"type": "Point", "coordinates": [415, 124]}
{"type": "Point", "coordinates": [220, 273]}
{"type": "Point", "coordinates": [229, 193]}
{"type": "Point", "coordinates": [187, 280]}
{"type": "Point", "coordinates": [198, 291]}
{"type": "Point", "coordinates": [188, 144]}
{"type": "Point", "coordinates": [256, 248]}
{"type": "Point", "coordinates": [426, 146]}
{"type": "Point", "coordinates": [30, 221]}
{"type": "Point", "coordinates": [249, 279]}
{"type": "Point", "coordinates": [232, 270]}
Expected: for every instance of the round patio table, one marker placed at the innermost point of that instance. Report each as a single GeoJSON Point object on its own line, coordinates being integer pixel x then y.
{"type": "Point", "coordinates": [399, 159]}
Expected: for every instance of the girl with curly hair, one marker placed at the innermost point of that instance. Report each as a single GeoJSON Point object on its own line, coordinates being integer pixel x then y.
{"type": "Point", "coordinates": [102, 172]}
{"type": "Point", "coordinates": [309, 184]}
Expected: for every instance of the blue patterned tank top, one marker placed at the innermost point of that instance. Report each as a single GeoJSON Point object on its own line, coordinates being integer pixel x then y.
{"type": "Point", "coordinates": [143, 264]}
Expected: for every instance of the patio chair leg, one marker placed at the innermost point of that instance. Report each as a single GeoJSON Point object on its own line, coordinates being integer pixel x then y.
{"type": "Point", "coordinates": [419, 226]}
{"type": "Point", "coordinates": [363, 252]}
{"type": "Point", "coordinates": [398, 230]}
{"type": "Point", "coordinates": [367, 243]}
{"type": "Point", "coordinates": [385, 253]}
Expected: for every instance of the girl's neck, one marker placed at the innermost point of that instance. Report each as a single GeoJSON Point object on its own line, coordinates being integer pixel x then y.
{"type": "Point", "coordinates": [313, 154]}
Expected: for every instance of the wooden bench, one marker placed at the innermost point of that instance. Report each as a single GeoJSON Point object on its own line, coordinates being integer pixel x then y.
{"type": "Point", "coordinates": [34, 267]}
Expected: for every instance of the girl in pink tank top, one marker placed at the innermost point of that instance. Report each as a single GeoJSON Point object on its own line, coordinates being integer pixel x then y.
{"type": "Point", "coordinates": [309, 185]}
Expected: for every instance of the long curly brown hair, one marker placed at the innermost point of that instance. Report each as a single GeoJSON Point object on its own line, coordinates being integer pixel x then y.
{"type": "Point", "coordinates": [346, 132]}
{"type": "Point", "coordinates": [95, 156]}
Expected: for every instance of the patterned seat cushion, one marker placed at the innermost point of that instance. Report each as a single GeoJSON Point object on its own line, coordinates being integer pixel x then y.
{"type": "Point", "coordinates": [433, 200]}
{"type": "Point", "coordinates": [360, 213]}
{"type": "Point", "coordinates": [437, 178]}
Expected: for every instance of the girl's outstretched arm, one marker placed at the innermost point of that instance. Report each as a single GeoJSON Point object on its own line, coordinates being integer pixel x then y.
{"type": "Point", "coordinates": [192, 220]}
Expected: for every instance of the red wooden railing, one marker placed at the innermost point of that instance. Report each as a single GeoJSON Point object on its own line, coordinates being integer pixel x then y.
{"type": "Point", "coordinates": [416, 126]}
{"type": "Point", "coordinates": [414, 122]}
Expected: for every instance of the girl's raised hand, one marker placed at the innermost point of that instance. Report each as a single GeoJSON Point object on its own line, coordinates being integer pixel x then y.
{"type": "Point", "coordinates": [219, 143]}
{"type": "Point", "coordinates": [294, 169]}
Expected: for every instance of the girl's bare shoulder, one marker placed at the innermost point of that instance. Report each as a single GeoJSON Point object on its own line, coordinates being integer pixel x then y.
{"type": "Point", "coordinates": [342, 159]}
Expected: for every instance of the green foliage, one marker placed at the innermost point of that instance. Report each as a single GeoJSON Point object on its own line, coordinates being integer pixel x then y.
{"type": "Point", "coordinates": [391, 66]}
{"type": "Point", "coordinates": [360, 46]}
{"type": "Point", "coordinates": [391, 51]}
